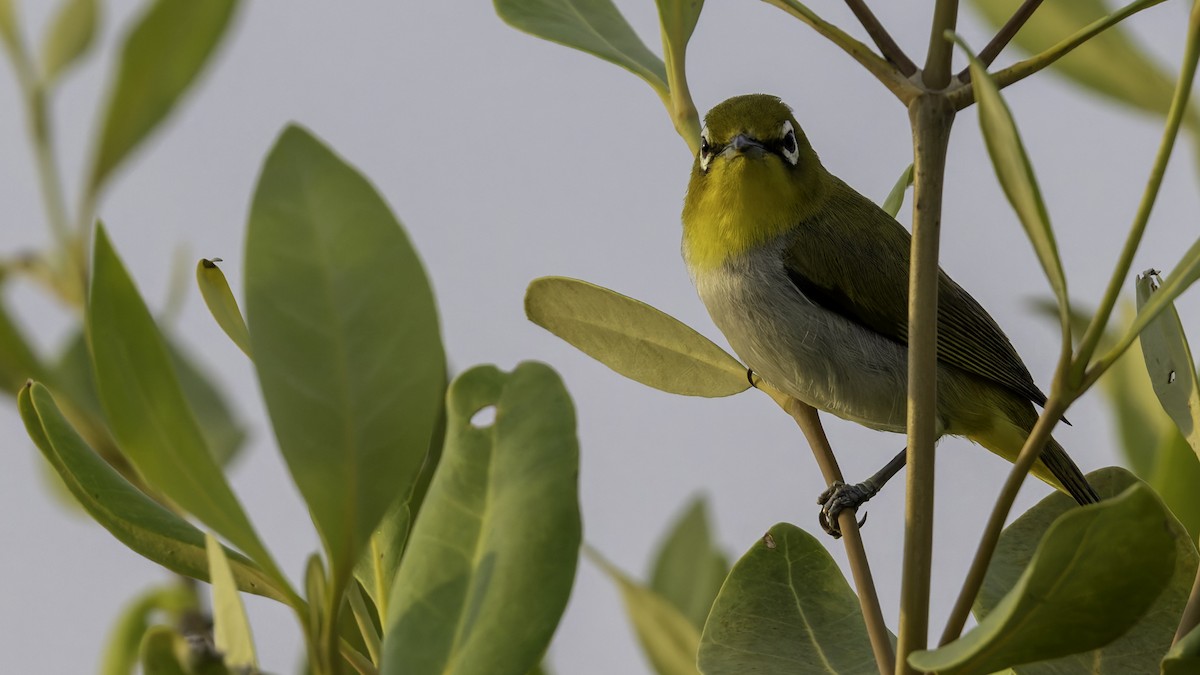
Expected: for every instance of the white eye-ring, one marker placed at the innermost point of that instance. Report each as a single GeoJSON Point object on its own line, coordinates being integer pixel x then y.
{"type": "Point", "coordinates": [705, 150]}
{"type": "Point", "coordinates": [791, 149]}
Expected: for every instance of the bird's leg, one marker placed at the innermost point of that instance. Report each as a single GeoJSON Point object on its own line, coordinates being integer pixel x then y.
{"type": "Point", "coordinates": [839, 496]}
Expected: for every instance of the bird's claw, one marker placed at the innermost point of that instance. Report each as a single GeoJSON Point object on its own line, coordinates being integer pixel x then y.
{"type": "Point", "coordinates": [840, 497]}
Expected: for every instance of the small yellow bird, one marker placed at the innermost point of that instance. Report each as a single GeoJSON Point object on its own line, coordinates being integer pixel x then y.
{"type": "Point", "coordinates": [808, 280]}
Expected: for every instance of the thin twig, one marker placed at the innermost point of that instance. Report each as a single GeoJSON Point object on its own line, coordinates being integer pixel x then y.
{"type": "Point", "coordinates": [936, 75]}
{"type": "Point", "coordinates": [885, 72]}
{"type": "Point", "coordinates": [887, 46]}
{"type": "Point", "coordinates": [1055, 407]}
{"type": "Point", "coordinates": [1003, 36]}
{"type": "Point", "coordinates": [809, 423]}
{"type": "Point", "coordinates": [1179, 102]}
{"type": "Point", "coordinates": [964, 96]}
{"type": "Point", "coordinates": [931, 116]}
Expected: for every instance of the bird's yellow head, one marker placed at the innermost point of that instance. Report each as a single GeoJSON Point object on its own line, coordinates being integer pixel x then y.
{"type": "Point", "coordinates": [755, 177]}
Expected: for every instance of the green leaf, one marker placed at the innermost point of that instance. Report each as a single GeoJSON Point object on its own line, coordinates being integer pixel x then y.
{"type": "Point", "coordinates": [223, 434]}
{"type": "Point", "coordinates": [137, 521]}
{"type": "Point", "coordinates": [162, 651]}
{"type": "Point", "coordinates": [678, 19]}
{"type": "Point", "coordinates": [220, 301]}
{"type": "Point", "coordinates": [125, 639]}
{"type": "Point", "coordinates": [69, 35]}
{"type": "Point", "coordinates": [18, 363]}
{"type": "Point", "coordinates": [1184, 657]}
{"type": "Point", "coordinates": [1094, 574]}
{"type": "Point", "coordinates": [1169, 363]}
{"type": "Point", "coordinates": [1110, 64]}
{"type": "Point", "coordinates": [492, 556]}
{"type": "Point", "coordinates": [231, 627]}
{"type": "Point", "coordinates": [1185, 273]}
{"type": "Point", "coordinates": [377, 567]}
{"type": "Point", "coordinates": [895, 198]}
{"type": "Point", "coordinates": [668, 638]}
{"type": "Point", "coordinates": [592, 26]}
{"type": "Point", "coordinates": [1138, 650]}
{"type": "Point", "coordinates": [1015, 174]}
{"type": "Point", "coordinates": [161, 57]}
{"type": "Point", "coordinates": [633, 338]}
{"type": "Point", "coordinates": [147, 411]}
{"type": "Point", "coordinates": [1175, 477]}
{"type": "Point", "coordinates": [346, 342]}
{"type": "Point", "coordinates": [786, 608]}
{"type": "Point", "coordinates": [689, 568]}
{"type": "Point", "coordinates": [9, 31]}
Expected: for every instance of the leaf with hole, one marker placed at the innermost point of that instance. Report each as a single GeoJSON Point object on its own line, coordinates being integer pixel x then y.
{"type": "Point", "coordinates": [1169, 363]}
{"type": "Point", "coordinates": [345, 338]}
{"type": "Point", "coordinates": [491, 559]}
{"type": "Point", "coordinates": [1094, 574]}
{"type": "Point", "coordinates": [786, 608]}
{"type": "Point", "coordinates": [633, 338]}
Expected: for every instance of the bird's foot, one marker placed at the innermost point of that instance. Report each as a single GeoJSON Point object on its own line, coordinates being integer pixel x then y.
{"type": "Point", "coordinates": [840, 497]}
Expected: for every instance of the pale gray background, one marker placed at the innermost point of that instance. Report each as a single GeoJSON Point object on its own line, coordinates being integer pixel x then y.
{"type": "Point", "coordinates": [509, 158]}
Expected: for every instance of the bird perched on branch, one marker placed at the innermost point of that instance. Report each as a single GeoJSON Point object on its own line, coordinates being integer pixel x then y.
{"type": "Point", "coordinates": [808, 280]}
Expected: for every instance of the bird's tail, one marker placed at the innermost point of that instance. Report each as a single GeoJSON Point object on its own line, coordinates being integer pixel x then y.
{"type": "Point", "coordinates": [1069, 476]}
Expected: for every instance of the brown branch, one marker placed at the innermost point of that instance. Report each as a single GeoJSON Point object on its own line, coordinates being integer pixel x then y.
{"type": "Point", "coordinates": [1003, 36]}
{"type": "Point", "coordinates": [887, 73]}
{"type": "Point", "coordinates": [868, 598]}
{"type": "Point", "coordinates": [887, 46]}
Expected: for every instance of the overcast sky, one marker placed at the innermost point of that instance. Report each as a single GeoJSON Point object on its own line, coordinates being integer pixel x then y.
{"type": "Point", "coordinates": [509, 158]}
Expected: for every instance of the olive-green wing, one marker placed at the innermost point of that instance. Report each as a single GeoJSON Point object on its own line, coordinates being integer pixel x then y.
{"type": "Point", "coordinates": [868, 284]}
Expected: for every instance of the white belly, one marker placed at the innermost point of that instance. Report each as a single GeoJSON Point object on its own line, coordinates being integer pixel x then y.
{"type": "Point", "coordinates": [802, 349]}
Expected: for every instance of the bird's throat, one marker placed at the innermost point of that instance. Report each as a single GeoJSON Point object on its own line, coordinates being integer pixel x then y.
{"type": "Point", "coordinates": [741, 204]}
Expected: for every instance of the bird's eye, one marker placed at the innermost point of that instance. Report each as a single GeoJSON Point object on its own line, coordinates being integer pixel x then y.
{"type": "Point", "coordinates": [788, 145]}
{"type": "Point", "coordinates": [705, 149]}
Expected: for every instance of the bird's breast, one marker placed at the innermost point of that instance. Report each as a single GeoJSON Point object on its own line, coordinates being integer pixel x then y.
{"type": "Point", "coordinates": [801, 348]}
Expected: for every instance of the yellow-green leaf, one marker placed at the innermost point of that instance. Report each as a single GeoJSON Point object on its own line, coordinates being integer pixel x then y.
{"type": "Point", "coordinates": [345, 337]}
{"type": "Point", "coordinates": [689, 568]}
{"type": "Point", "coordinates": [146, 408]}
{"type": "Point", "coordinates": [1111, 64]}
{"type": "Point", "coordinates": [163, 652]}
{"type": "Point", "coordinates": [633, 338]}
{"type": "Point", "coordinates": [1184, 657]}
{"type": "Point", "coordinates": [137, 521]}
{"type": "Point", "coordinates": [669, 639]}
{"type": "Point", "coordinates": [214, 288]}
{"type": "Point", "coordinates": [161, 58]}
{"type": "Point", "coordinates": [1169, 363]}
{"type": "Point", "coordinates": [592, 26]}
{"type": "Point", "coordinates": [125, 638]}
{"type": "Point", "coordinates": [69, 35]}
{"type": "Point", "coordinates": [231, 627]}
{"type": "Point", "coordinates": [1015, 174]}
{"type": "Point", "coordinates": [895, 198]}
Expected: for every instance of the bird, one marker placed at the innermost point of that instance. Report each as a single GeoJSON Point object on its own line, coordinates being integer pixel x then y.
{"type": "Point", "coordinates": [808, 281]}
